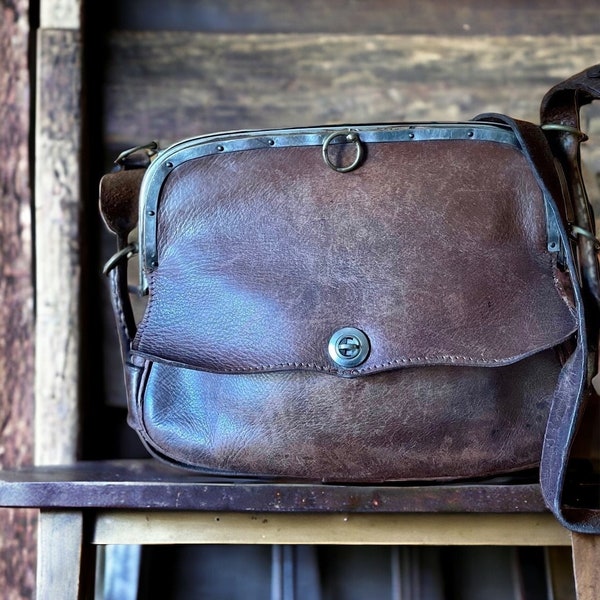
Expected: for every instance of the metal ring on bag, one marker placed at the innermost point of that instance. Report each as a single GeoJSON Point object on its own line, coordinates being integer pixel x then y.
{"type": "Point", "coordinates": [564, 129]}
{"type": "Point", "coordinates": [351, 137]}
{"type": "Point", "coordinates": [123, 254]}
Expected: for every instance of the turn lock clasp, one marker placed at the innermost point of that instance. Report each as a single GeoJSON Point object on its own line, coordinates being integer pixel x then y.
{"type": "Point", "coordinates": [349, 347]}
{"type": "Point", "coordinates": [349, 137]}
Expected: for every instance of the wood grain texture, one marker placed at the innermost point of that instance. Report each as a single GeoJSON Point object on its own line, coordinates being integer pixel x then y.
{"type": "Point", "coordinates": [559, 566]}
{"type": "Point", "coordinates": [17, 527]}
{"type": "Point", "coordinates": [60, 14]}
{"type": "Point", "coordinates": [171, 85]}
{"type": "Point", "coordinates": [459, 17]}
{"type": "Point", "coordinates": [58, 272]}
{"type": "Point", "coordinates": [586, 565]}
{"type": "Point", "coordinates": [165, 527]}
{"type": "Point", "coordinates": [66, 566]}
{"type": "Point", "coordinates": [153, 485]}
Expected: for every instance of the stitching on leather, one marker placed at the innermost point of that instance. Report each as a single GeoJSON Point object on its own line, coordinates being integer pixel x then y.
{"type": "Point", "coordinates": [451, 358]}
{"type": "Point", "coordinates": [418, 359]}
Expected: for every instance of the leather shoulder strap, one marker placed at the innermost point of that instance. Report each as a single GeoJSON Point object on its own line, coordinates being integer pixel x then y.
{"type": "Point", "coordinates": [562, 103]}
{"type": "Point", "coordinates": [560, 120]}
{"type": "Point", "coordinates": [118, 203]}
{"type": "Point", "coordinates": [573, 389]}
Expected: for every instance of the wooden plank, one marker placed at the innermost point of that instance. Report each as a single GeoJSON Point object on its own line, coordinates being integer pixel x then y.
{"type": "Point", "coordinates": [163, 527]}
{"type": "Point", "coordinates": [559, 566]}
{"type": "Point", "coordinates": [17, 527]}
{"type": "Point", "coordinates": [60, 14]}
{"type": "Point", "coordinates": [460, 17]}
{"type": "Point", "coordinates": [66, 562]}
{"type": "Point", "coordinates": [58, 248]}
{"type": "Point", "coordinates": [172, 85]}
{"type": "Point", "coordinates": [150, 484]}
{"type": "Point", "coordinates": [586, 565]}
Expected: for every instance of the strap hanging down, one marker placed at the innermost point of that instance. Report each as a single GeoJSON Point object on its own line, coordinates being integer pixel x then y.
{"type": "Point", "coordinates": [560, 123]}
{"type": "Point", "coordinates": [573, 389]}
{"type": "Point", "coordinates": [560, 120]}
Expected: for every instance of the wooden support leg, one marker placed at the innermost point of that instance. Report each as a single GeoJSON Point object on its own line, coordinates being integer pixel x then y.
{"type": "Point", "coordinates": [559, 567]}
{"type": "Point", "coordinates": [586, 565]}
{"type": "Point", "coordinates": [65, 563]}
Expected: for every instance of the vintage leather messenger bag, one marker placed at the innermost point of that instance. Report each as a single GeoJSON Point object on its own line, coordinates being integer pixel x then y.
{"type": "Point", "coordinates": [363, 303]}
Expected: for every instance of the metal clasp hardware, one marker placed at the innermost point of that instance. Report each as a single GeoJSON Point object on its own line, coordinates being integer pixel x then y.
{"type": "Point", "coordinates": [349, 347]}
{"type": "Point", "coordinates": [123, 254]}
{"type": "Point", "coordinates": [565, 129]}
{"type": "Point", "coordinates": [351, 137]}
{"type": "Point", "coordinates": [576, 231]}
{"type": "Point", "coordinates": [151, 149]}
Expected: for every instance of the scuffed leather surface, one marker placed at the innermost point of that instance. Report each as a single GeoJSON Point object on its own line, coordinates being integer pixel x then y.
{"type": "Point", "coordinates": [118, 195]}
{"type": "Point", "coordinates": [433, 422]}
{"type": "Point", "coordinates": [436, 250]}
{"type": "Point", "coordinates": [561, 104]}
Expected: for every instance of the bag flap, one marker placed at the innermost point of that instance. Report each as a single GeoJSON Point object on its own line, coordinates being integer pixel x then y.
{"type": "Point", "coordinates": [436, 250]}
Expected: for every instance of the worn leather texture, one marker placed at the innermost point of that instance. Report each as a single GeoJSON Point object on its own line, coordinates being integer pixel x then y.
{"type": "Point", "coordinates": [436, 250]}
{"type": "Point", "coordinates": [120, 215]}
{"type": "Point", "coordinates": [415, 423]}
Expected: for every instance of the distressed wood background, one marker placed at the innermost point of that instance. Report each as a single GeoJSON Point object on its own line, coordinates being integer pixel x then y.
{"type": "Point", "coordinates": [110, 75]}
{"type": "Point", "coordinates": [171, 85]}
{"type": "Point", "coordinates": [17, 527]}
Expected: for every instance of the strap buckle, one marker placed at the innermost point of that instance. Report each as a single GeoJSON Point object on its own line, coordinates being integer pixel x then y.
{"type": "Point", "coordinates": [151, 149]}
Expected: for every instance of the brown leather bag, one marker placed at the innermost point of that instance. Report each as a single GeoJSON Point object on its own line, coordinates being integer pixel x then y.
{"type": "Point", "coordinates": [367, 303]}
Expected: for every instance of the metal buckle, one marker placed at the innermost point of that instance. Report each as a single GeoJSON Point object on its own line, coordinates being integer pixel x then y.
{"type": "Point", "coordinates": [349, 347]}
{"type": "Point", "coordinates": [150, 147]}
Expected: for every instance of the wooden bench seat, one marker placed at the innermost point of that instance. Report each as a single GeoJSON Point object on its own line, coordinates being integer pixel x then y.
{"type": "Point", "coordinates": [142, 501]}
{"type": "Point", "coordinates": [149, 484]}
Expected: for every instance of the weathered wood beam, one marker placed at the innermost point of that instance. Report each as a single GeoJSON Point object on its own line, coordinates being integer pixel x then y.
{"type": "Point", "coordinates": [459, 17]}
{"type": "Point", "coordinates": [57, 218]}
{"type": "Point", "coordinates": [60, 14]}
{"type": "Point", "coordinates": [17, 527]}
{"type": "Point", "coordinates": [58, 208]}
{"type": "Point", "coordinates": [586, 558]}
{"type": "Point", "coordinates": [171, 85]}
